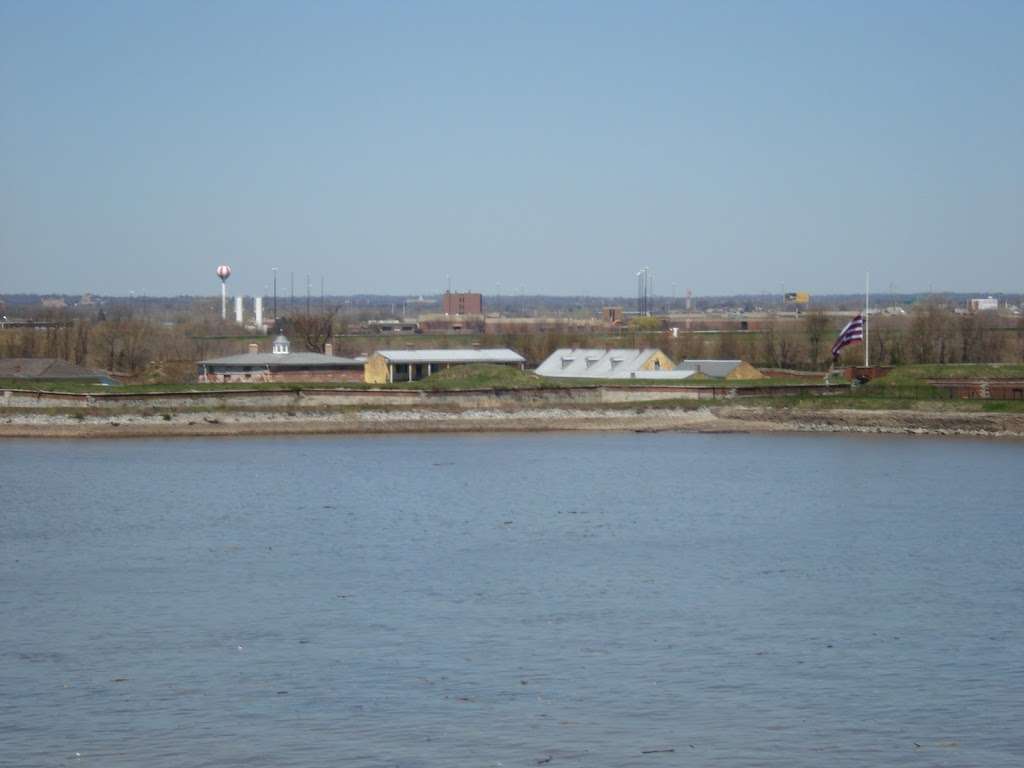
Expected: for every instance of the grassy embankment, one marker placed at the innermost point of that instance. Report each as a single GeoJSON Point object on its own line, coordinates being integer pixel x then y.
{"type": "Point", "coordinates": [910, 374]}
{"type": "Point", "coordinates": [905, 388]}
{"type": "Point", "coordinates": [908, 388]}
{"type": "Point", "coordinates": [466, 377]}
{"type": "Point", "coordinates": [81, 387]}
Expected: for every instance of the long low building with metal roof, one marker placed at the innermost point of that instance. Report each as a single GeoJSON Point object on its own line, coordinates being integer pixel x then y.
{"type": "Point", "coordinates": [50, 369]}
{"type": "Point", "coordinates": [610, 364]}
{"type": "Point", "coordinates": [721, 369]}
{"type": "Point", "coordinates": [386, 366]}
{"type": "Point", "coordinates": [281, 365]}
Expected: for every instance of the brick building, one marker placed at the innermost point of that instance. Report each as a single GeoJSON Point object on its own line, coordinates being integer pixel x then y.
{"type": "Point", "coordinates": [462, 303]}
{"type": "Point", "coordinates": [281, 365]}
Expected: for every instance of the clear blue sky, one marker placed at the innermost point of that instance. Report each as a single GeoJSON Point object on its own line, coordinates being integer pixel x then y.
{"type": "Point", "coordinates": [551, 146]}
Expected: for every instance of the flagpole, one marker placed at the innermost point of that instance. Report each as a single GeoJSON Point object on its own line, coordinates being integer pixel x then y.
{"type": "Point", "coordinates": [867, 305]}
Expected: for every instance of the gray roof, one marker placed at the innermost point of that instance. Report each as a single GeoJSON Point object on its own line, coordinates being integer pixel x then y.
{"type": "Point", "coordinates": [597, 363]}
{"type": "Point", "coordinates": [670, 375]}
{"type": "Point", "coordinates": [291, 360]}
{"type": "Point", "coordinates": [419, 356]}
{"type": "Point", "coordinates": [716, 369]}
{"type": "Point", "coordinates": [45, 368]}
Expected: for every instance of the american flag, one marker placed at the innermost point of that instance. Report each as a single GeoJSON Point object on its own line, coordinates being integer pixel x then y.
{"type": "Point", "coordinates": [852, 332]}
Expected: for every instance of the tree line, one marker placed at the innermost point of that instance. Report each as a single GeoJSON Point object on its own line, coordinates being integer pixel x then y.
{"type": "Point", "coordinates": [133, 344]}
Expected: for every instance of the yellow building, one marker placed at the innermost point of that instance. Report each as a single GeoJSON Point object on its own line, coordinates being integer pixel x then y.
{"type": "Point", "coordinates": [387, 366]}
{"type": "Point", "coordinates": [729, 370]}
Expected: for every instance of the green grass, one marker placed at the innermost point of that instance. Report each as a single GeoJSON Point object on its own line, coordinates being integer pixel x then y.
{"type": "Point", "coordinates": [80, 387]}
{"type": "Point", "coordinates": [917, 374]}
{"type": "Point", "coordinates": [880, 401]}
{"type": "Point", "coordinates": [489, 376]}
{"type": "Point", "coordinates": [483, 376]}
{"type": "Point", "coordinates": [901, 389]}
{"type": "Point", "coordinates": [911, 382]}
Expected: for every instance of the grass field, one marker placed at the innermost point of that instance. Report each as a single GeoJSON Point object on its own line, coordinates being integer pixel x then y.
{"type": "Point", "coordinates": [77, 387]}
{"type": "Point", "coordinates": [916, 374]}
{"type": "Point", "coordinates": [903, 384]}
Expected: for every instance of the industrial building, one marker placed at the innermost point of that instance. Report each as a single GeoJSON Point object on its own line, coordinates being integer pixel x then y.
{"type": "Point", "coordinates": [462, 303]}
{"type": "Point", "coordinates": [281, 364]}
{"type": "Point", "coordinates": [609, 364]}
{"type": "Point", "coordinates": [729, 370]}
{"type": "Point", "coordinates": [613, 315]}
{"type": "Point", "coordinates": [451, 324]}
{"type": "Point", "coordinates": [984, 305]}
{"type": "Point", "coordinates": [387, 366]}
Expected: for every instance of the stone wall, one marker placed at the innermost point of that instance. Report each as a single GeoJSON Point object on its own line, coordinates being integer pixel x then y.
{"type": "Point", "coordinates": [482, 398]}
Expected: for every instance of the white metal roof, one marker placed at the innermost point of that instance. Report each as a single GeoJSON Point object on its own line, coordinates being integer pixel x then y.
{"type": "Point", "coordinates": [420, 356]}
{"type": "Point", "coordinates": [716, 369]}
{"type": "Point", "coordinates": [597, 363]}
{"type": "Point", "coordinates": [673, 375]}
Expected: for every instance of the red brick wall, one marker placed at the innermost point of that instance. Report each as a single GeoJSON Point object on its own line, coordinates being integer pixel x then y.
{"type": "Point", "coordinates": [463, 304]}
{"type": "Point", "coordinates": [354, 374]}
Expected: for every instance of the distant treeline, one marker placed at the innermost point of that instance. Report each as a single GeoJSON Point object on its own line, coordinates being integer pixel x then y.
{"type": "Point", "coordinates": [27, 304]}
{"type": "Point", "coordinates": [149, 343]}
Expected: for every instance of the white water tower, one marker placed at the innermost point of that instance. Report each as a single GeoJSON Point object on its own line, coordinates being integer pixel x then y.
{"type": "Point", "coordinates": [223, 272]}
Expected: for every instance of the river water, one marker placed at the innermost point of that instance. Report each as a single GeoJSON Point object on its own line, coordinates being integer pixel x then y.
{"type": "Point", "coordinates": [557, 599]}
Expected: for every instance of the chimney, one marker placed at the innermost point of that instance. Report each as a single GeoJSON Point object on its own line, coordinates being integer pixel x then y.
{"type": "Point", "coordinates": [254, 349]}
{"type": "Point", "coordinates": [329, 349]}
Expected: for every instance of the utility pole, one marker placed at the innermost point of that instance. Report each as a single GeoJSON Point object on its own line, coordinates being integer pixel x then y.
{"type": "Point", "coordinates": [867, 312]}
{"type": "Point", "coordinates": [644, 281]}
{"type": "Point", "coordinates": [274, 270]}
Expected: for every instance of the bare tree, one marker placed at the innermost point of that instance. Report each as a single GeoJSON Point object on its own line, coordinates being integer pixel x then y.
{"type": "Point", "coordinates": [930, 338]}
{"type": "Point", "coordinates": [816, 328]}
{"type": "Point", "coordinates": [313, 330]}
{"type": "Point", "coordinates": [1020, 338]}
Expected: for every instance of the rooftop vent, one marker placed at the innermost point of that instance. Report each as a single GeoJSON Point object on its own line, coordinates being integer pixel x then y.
{"type": "Point", "coordinates": [281, 345]}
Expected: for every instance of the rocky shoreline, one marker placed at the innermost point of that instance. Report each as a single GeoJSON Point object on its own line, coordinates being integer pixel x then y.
{"type": "Point", "coordinates": [711, 419]}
